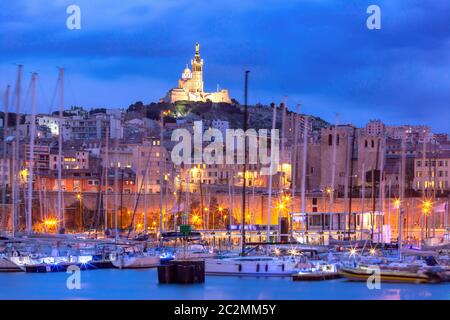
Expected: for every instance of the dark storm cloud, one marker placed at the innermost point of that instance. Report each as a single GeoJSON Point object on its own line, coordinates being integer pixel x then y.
{"type": "Point", "coordinates": [319, 52]}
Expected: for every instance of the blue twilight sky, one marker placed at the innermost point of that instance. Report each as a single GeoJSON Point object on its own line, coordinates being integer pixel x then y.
{"type": "Point", "coordinates": [316, 52]}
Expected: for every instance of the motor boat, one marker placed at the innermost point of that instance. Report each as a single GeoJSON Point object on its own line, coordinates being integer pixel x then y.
{"type": "Point", "coordinates": [127, 260]}
{"type": "Point", "coordinates": [251, 266]}
{"type": "Point", "coordinates": [363, 273]}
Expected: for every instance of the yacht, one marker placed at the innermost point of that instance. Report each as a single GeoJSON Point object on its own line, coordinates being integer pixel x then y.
{"type": "Point", "coordinates": [252, 266]}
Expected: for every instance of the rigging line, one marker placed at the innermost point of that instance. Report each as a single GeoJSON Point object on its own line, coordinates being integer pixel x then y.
{"type": "Point", "coordinates": [130, 227]}
{"type": "Point", "coordinates": [54, 95]}
{"type": "Point", "coordinates": [43, 95]}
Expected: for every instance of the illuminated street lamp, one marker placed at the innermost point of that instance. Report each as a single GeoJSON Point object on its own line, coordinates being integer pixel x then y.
{"type": "Point", "coordinates": [426, 208]}
{"type": "Point", "coordinates": [397, 203]}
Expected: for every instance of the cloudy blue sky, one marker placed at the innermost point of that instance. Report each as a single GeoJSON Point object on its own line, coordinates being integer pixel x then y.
{"type": "Point", "coordinates": [316, 52]}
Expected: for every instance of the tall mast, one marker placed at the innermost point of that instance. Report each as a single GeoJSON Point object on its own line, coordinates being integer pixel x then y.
{"type": "Point", "coordinates": [305, 157]}
{"type": "Point", "coordinates": [15, 157]}
{"type": "Point", "coordinates": [424, 178]}
{"type": "Point", "coordinates": [161, 176]}
{"type": "Point", "coordinates": [145, 200]}
{"type": "Point", "coordinates": [106, 172]}
{"type": "Point", "coordinates": [350, 201]}
{"type": "Point", "coordinates": [29, 219]}
{"type": "Point", "coordinates": [116, 189]}
{"type": "Point", "coordinates": [381, 192]}
{"type": "Point", "coordinates": [372, 217]}
{"type": "Point", "coordinates": [244, 186]}
{"type": "Point", "coordinates": [269, 204]}
{"type": "Point", "coordinates": [294, 164]}
{"type": "Point", "coordinates": [402, 195]}
{"type": "Point", "coordinates": [61, 220]}
{"type": "Point", "coordinates": [230, 174]}
{"type": "Point", "coordinates": [4, 180]}
{"type": "Point", "coordinates": [333, 175]}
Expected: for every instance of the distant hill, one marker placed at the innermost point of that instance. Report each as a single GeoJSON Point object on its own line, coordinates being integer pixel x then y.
{"type": "Point", "coordinates": [260, 116]}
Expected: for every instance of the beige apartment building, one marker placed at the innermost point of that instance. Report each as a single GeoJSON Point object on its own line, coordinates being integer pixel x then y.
{"type": "Point", "coordinates": [432, 173]}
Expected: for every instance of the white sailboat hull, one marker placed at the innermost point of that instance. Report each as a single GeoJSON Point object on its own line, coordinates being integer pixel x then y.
{"type": "Point", "coordinates": [135, 262]}
{"type": "Point", "coordinates": [245, 267]}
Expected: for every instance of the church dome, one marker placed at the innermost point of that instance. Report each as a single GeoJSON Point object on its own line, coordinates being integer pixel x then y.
{"type": "Point", "coordinates": [187, 73]}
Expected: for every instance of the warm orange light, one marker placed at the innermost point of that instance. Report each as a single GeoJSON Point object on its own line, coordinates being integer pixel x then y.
{"type": "Point", "coordinates": [397, 203]}
{"type": "Point", "coordinates": [205, 209]}
{"type": "Point", "coordinates": [51, 222]}
{"type": "Point", "coordinates": [220, 209]}
{"type": "Point", "coordinates": [79, 196]}
{"type": "Point", "coordinates": [427, 205]}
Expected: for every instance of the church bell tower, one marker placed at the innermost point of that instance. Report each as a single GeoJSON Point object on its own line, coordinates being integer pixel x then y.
{"type": "Point", "coordinates": [197, 70]}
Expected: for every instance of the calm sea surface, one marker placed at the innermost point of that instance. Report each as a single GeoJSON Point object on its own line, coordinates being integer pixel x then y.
{"type": "Point", "coordinates": [142, 284]}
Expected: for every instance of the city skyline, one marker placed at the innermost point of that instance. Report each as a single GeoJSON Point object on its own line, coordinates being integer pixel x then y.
{"type": "Point", "coordinates": [325, 58]}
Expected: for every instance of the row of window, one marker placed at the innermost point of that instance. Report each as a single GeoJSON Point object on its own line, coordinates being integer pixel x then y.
{"type": "Point", "coordinates": [430, 184]}
{"type": "Point", "coordinates": [440, 163]}
{"type": "Point", "coordinates": [440, 173]}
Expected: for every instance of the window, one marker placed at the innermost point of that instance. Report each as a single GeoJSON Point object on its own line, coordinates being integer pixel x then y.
{"type": "Point", "coordinates": [330, 140]}
{"type": "Point", "coordinates": [419, 163]}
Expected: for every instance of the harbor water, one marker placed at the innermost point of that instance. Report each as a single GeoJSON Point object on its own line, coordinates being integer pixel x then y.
{"type": "Point", "coordinates": [143, 285]}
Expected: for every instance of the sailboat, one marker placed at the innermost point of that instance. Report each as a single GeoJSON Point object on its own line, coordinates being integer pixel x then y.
{"type": "Point", "coordinates": [134, 259]}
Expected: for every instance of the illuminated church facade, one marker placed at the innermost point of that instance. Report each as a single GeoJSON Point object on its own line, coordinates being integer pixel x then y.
{"type": "Point", "coordinates": [190, 86]}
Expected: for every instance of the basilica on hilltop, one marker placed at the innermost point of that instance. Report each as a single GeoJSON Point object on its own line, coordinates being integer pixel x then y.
{"type": "Point", "coordinates": [190, 86]}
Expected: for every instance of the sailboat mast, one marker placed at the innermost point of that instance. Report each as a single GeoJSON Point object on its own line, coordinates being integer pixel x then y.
{"type": "Point", "coordinates": [305, 157]}
{"type": "Point", "coordinates": [29, 220]}
{"type": "Point", "coordinates": [269, 204]}
{"type": "Point", "coordinates": [161, 176]}
{"type": "Point", "coordinates": [15, 158]}
{"type": "Point", "coordinates": [4, 180]}
{"type": "Point", "coordinates": [106, 179]}
{"type": "Point", "coordinates": [116, 189]}
{"type": "Point", "coordinates": [244, 186]}
{"type": "Point", "coordinates": [333, 176]}
{"type": "Point", "coordinates": [61, 222]}
{"type": "Point", "coordinates": [381, 192]}
{"type": "Point", "coordinates": [402, 195]}
{"type": "Point", "coordinates": [294, 165]}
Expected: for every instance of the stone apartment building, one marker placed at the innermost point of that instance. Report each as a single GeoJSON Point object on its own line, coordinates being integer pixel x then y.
{"type": "Point", "coordinates": [71, 160]}
{"type": "Point", "coordinates": [432, 172]}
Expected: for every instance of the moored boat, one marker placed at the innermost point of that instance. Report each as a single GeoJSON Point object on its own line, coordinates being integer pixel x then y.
{"type": "Point", "coordinates": [134, 261]}
{"type": "Point", "coordinates": [395, 276]}
{"type": "Point", "coordinates": [251, 266]}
